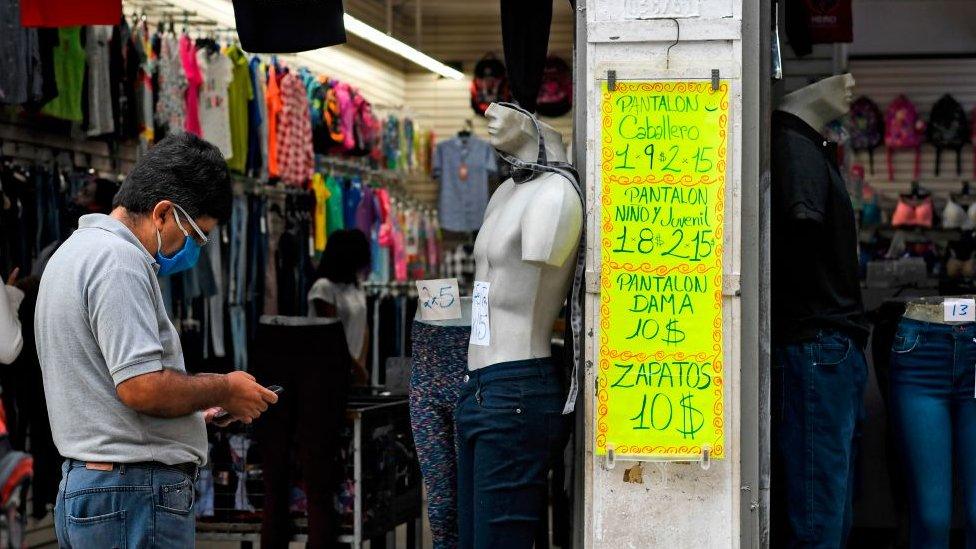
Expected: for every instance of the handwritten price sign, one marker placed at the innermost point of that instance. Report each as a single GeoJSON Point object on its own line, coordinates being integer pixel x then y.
{"type": "Point", "coordinates": [663, 169]}
{"type": "Point", "coordinates": [439, 299]}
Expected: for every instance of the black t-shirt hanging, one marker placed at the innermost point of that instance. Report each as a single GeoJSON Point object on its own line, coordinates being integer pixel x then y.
{"type": "Point", "coordinates": [288, 26]}
{"type": "Point", "coordinates": [814, 260]}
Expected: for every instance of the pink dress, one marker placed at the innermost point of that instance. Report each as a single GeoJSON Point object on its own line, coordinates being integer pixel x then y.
{"type": "Point", "coordinates": [194, 79]}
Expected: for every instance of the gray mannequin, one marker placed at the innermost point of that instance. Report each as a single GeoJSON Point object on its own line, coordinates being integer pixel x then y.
{"type": "Point", "coordinates": [510, 418]}
{"type": "Point", "coordinates": [527, 245]}
{"type": "Point", "coordinates": [821, 102]}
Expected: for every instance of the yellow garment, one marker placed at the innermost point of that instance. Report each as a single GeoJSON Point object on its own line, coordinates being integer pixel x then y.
{"type": "Point", "coordinates": [321, 196]}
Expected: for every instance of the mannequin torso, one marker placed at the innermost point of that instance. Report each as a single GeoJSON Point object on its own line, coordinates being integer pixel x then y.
{"type": "Point", "coordinates": [526, 247]}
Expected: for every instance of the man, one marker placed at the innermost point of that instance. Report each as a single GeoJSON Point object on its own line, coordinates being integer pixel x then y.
{"type": "Point", "coordinates": [124, 413]}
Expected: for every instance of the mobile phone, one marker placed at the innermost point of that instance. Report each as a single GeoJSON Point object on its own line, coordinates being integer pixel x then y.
{"type": "Point", "coordinates": [276, 389]}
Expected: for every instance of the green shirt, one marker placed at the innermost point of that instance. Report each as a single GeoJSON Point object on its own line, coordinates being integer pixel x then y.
{"type": "Point", "coordinates": [69, 74]}
{"type": "Point", "coordinates": [334, 218]}
{"type": "Point", "coordinates": [239, 93]}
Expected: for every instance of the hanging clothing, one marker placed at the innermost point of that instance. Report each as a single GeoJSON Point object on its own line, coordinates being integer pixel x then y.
{"type": "Point", "coordinates": [217, 71]}
{"type": "Point", "coordinates": [321, 192]}
{"type": "Point", "coordinates": [172, 85]}
{"type": "Point", "coordinates": [144, 86]}
{"type": "Point", "coordinates": [21, 75]}
{"type": "Point", "coordinates": [257, 129]}
{"type": "Point", "coordinates": [194, 79]}
{"type": "Point", "coordinates": [335, 217]}
{"type": "Point", "coordinates": [124, 64]}
{"type": "Point", "coordinates": [295, 156]}
{"type": "Point", "coordinates": [239, 96]}
{"type": "Point", "coordinates": [69, 73]}
{"type": "Point", "coordinates": [273, 97]}
{"type": "Point", "coordinates": [100, 117]}
{"type": "Point", "coordinates": [351, 197]}
{"type": "Point", "coordinates": [463, 166]}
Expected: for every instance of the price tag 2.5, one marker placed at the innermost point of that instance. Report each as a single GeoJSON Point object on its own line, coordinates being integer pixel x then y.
{"type": "Point", "coordinates": [959, 310]}
{"type": "Point", "coordinates": [439, 299]}
{"type": "Point", "coordinates": [480, 325]}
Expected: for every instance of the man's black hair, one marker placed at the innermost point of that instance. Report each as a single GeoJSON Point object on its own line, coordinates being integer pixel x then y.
{"type": "Point", "coordinates": [346, 254]}
{"type": "Point", "coordinates": [184, 169]}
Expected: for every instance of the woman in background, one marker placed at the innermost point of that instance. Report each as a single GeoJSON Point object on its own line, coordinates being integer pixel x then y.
{"type": "Point", "coordinates": [338, 292]}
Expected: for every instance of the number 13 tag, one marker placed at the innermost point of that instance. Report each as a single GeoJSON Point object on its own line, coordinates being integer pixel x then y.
{"type": "Point", "coordinates": [960, 310]}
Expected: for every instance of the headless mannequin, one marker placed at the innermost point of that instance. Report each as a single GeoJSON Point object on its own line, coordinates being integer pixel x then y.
{"type": "Point", "coordinates": [526, 246]}
{"type": "Point", "coordinates": [821, 102]}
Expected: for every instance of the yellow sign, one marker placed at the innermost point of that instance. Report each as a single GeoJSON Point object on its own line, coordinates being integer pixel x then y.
{"type": "Point", "coordinates": [660, 383]}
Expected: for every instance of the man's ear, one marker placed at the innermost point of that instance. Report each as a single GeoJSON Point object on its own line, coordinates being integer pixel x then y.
{"type": "Point", "coordinates": [159, 214]}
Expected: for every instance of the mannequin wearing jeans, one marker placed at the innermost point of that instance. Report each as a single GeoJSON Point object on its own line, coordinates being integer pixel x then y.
{"type": "Point", "coordinates": [933, 413]}
{"type": "Point", "coordinates": [509, 416]}
{"type": "Point", "coordinates": [818, 370]}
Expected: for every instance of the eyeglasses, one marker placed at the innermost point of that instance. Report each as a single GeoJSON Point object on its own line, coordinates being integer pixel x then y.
{"type": "Point", "coordinates": [201, 237]}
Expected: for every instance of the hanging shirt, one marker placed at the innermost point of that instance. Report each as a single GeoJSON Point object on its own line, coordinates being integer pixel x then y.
{"type": "Point", "coordinates": [144, 85]}
{"type": "Point", "coordinates": [273, 97]}
{"type": "Point", "coordinates": [21, 77]}
{"type": "Point", "coordinates": [296, 160]}
{"type": "Point", "coordinates": [257, 130]}
{"type": "Point", "coordinates": [366, 211]}
{"type": "Point", "coordinates": [69, 73]}
{"type": "Point", "coordinates": [172, 84]}
{"type": "Point", "coordinates": [194, 79]}
{"type": "Point", "coordinates": [100, 117]}
{"type": "Point", "coordinates": [335, 220]}
{"type": "Point", "coordinates": [351, 197]}
{"type": "Point", "coordinates": [321, 212]}
{"type": "Point", "coordinates": [217, 71]}
{"type": "Point", "coordinates": [462, 165]}
{"type": "Point", "coordinates": [239, 94]}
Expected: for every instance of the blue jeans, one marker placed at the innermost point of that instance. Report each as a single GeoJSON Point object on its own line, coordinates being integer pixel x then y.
{"type": "Point", "coordinates": [817, 389]}
{"type": "Point", "coordinates": [933, 413]}
{"type": "Point", "coordinates": [510, 425]}
{"type": "Point", "coordinates": [127, 507]}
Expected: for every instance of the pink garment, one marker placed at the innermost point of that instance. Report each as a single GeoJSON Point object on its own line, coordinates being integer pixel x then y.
{"type": "Point", "coordinates": [347, 110]}
{"type": "Point", "coordinates": [433, 235]}
{"type": "Point", "coordinates": [386, 226]}
{"type": "Point", "coordinates": [296, 159]}
{"type": "Point", "coordinates": [194, 79]}
{"type": "Point", "coordinates": [399, 253]}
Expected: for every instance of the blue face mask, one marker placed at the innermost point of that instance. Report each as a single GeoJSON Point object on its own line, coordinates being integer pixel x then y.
{"type": "Point", "coordinates": [187, 256]}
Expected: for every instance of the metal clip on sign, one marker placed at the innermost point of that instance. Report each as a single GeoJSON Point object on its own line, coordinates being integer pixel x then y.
{"type": "Point", "coordinates": [612, 80]}
{"type": "Point", "coordinates": [715, 79]}
{"type": "Point", "coordinates": [706, 459]}
{"type": "Point", "coordinates": [611, 458]}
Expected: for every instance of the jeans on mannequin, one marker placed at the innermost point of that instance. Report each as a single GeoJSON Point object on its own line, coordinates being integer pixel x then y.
{"type": "Point", "coordinates": [933, 413]}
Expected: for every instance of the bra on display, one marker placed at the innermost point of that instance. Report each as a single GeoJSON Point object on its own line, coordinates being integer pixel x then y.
{"type": "Point", "coordinates": [954, 216]}
{"type": "Point", "coordinates": [912, 212]}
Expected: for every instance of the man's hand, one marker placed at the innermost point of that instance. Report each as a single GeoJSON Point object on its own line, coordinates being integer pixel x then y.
{"type": "Point", "coordinates": [210, 414]}
{"type": "Point", "coordinates": [246, 399]}
{"type": "Point", "coordinates": [12, 279]}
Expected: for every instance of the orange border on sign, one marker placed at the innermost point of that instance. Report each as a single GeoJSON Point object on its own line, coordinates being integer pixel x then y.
{"type": "Point", "coordinates": [717, 449]}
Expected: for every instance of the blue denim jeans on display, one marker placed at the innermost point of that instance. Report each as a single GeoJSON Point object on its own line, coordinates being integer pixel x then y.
{"type": "Point", "coordinates": [127, 507]}
{"type": "Point", "coordinates": [237, 280]}
{"type": "Point", "coordinates": [933, 413]}
{"type": "Point", "coordinates": [510, 425]}
{"type": "Point", "coordinates": [817, 390]}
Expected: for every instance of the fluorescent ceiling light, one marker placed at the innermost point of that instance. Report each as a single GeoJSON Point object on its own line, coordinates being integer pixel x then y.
{"type": "Point", "coordinates": [368, 33]}
{"type": "Point", "coordinates": [222, 11]}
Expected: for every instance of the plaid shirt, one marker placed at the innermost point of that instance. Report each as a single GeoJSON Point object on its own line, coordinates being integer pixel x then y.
{"type": "Point", "coordinates": [296, 160]}
{"type": "Point", "coordinates": [459, 263]}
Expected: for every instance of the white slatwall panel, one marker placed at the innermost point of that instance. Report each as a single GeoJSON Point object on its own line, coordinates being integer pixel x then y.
{"type": "Point", "coordinates": [924, 82]}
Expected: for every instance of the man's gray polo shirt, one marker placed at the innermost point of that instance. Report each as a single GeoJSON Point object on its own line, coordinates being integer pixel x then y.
{"type": "Point", "coordinates": [100, 320]}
